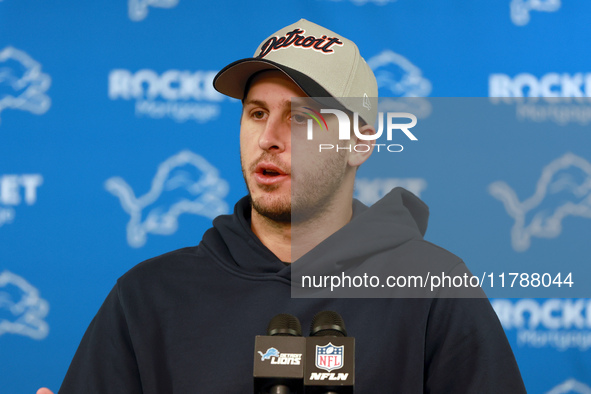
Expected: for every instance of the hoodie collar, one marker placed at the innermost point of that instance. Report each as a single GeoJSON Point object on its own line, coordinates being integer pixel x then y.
{"type": "Point", "coordinates": [238, 245]}
{"type": "Point", "coordinates": [395, 219]}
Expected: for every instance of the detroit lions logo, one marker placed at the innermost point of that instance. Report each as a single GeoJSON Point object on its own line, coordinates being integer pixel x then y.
{"type": "Point", "coordinates": [398, 77]}
{"type": "Point", "coordinates": [22, 310]}
{"type": "Point", "coordinates": [520, 9]}
{"type": "Point", "coordinates": [22, 84]}
{"type": "Point", "coordinates": [184, 183]}
{"type": "Point", "coordinates": [364, 2]}
{"type": "Point", "coordinates": [271, 352]}
{"type": "Point", "coordinates": [564, 189]}
{"type": "Point", "coordinates": [571, 386]}
{"type": "Point", "coordinates": [370, 190]}
{"type": "Point", "coordinates": [138, 9]}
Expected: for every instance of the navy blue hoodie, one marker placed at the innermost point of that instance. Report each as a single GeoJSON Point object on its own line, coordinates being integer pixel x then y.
{"type": "Point", "coordinates": [185, 322]}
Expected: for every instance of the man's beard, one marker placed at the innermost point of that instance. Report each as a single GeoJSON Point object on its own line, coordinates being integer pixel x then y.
{"type": "Point", "coordinates": [276, 210]}
{"type": "Point", "coordinates": [311, 193]}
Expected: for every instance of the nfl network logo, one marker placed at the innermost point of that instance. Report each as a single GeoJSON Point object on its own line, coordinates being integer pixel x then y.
{"type": "Point", "coordinates": [329, 357]}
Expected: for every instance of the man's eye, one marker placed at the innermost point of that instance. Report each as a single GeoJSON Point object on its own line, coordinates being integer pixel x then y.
{"type": "Point", "coordinates": [299, 118]}
{"type": "Point", "coordinates": [258, 114]}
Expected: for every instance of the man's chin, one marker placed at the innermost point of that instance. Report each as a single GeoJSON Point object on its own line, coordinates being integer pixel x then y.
{"type": "Point", "coordinates": [275, 210]}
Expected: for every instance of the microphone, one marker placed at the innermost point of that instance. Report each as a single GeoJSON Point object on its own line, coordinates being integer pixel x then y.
{"type": "Point", "coordinates": [330, 362]}
{"type": "Point", "coordinates": [279, 357]}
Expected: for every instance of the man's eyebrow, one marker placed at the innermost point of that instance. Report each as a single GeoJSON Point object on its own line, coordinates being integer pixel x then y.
{"type": "Point", "coordinates": [262, 103]}
{"type": "Point", "coordinates": [258, 103]}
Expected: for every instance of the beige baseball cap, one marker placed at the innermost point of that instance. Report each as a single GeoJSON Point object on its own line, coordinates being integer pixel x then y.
{"type": "Point", "coordinates": [321, 62]}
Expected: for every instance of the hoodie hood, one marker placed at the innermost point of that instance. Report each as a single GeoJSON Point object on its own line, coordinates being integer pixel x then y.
{"type": "Point", "coordinates": [398, 217]}
{"type": "Point", "coordinates": [395, 219]}
{"type": "Point", "coordinates": [371, 243]}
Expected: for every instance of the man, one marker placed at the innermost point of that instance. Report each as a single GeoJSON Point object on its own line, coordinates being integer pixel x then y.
{"type": "Point", "coordinates": [186, 321]}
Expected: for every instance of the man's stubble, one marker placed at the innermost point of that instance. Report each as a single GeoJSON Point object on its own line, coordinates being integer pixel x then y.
{"type": "Point", "coordinates": [312, 191]}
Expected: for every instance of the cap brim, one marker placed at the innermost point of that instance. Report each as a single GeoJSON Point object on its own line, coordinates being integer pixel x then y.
{"type": "Point", "coordinates": [232, 79]}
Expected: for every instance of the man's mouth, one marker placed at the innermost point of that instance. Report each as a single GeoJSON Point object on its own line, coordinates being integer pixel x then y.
{"type": "Point", "coordinates": [269, 174]}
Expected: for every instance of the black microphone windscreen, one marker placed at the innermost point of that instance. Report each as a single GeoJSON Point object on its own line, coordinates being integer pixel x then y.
{"type": "Point", "coordinates": [328, 323]}
{"type": "Point", "coordinates": [284, 325]}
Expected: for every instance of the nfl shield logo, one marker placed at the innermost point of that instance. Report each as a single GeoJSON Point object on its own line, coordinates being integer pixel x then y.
{"type": "Point", "coordinates": [329, 357]}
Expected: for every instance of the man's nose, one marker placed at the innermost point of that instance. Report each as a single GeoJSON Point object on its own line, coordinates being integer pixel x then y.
{"type": "Point", "coordinates": [276, 134]}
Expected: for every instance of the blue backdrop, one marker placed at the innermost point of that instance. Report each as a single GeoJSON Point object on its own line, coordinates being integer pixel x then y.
{"type": "Point", "coordinates": [107, 114]}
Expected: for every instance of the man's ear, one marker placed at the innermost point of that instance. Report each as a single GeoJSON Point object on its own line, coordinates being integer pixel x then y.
{"type": "Point", "coordinates": [361, 149]}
